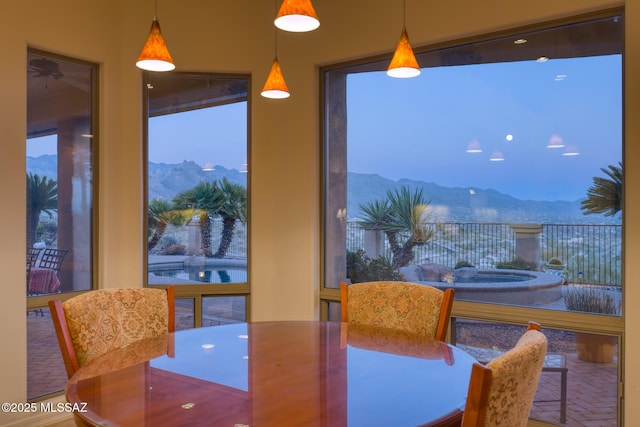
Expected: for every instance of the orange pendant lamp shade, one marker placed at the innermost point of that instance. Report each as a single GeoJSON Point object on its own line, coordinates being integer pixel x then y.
{"type": "Point", "coordinates": [275, 86]}
{"type": "Point", "coordinates": [297, 16]}
{"type": "Point", "coordinates": [403, 64]}
{"type": "Point", "coordinates": [155, 55]}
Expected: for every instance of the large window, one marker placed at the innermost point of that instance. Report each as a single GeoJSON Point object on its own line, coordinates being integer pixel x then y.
{"type": "Point", "coordinates": [497, 172]}
{"type": "Point", "coordinates": [60, 170]}
{"type": "Point", "coordinates": [197, 200]}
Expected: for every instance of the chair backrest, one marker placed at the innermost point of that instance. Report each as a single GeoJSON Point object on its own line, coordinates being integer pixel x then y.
{"type": "Point", "coordinates": [404, 306]}
{"type": "Point", "coordinates": [32, 258]}
{"type": "Point", "coordinates": [502, 393]}
{"type": "Point", "coordinates": [52, 258]}
{"type": "Point", "coordinates": [94, 323]}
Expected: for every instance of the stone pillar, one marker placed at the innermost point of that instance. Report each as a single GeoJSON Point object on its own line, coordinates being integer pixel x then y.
{"type": "Point", "coordinates": [336, 212]}
{"type": "Point", "coordinates": [373, 243]}
{"type": "Point", "coordinates": [75, 201]}
{"type": "Point", "coordinates": [528, 241]}
{"type": "Point", "coordinates": [195, 239]}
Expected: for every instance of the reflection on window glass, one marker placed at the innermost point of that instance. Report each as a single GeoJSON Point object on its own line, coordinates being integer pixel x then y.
{"type": "Point", "coordinates": [498, 171]}
{"type": "Point", "coordinates": [197, 179]}
{"type": "Point", "coordinates": [59, 202]}
{"type": "Point", "coordinates": [223, 310]}
{"type": "Point", "coordinates": [184, 310]}
{"type": "Point", "coordinates": [59, 179]}
{"type": "Point", "coordinates": [576, 365]}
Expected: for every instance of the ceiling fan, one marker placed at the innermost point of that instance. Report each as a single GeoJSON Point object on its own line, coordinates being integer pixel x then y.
{"type": "Point", "coordinates": [43, 67]}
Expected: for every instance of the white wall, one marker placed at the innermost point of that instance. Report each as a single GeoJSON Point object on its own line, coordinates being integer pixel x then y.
{"type": "Point", "coordinates": [228, 37]}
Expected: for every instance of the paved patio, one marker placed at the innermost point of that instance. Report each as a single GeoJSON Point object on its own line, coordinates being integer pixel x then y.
{"type": "Point", "coordinates": [591, 387]}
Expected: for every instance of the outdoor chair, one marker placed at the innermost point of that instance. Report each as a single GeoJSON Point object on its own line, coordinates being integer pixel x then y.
{"type": "Point", "coordinates": [32, 259]}
{"type": "Point", "coordinates": [94, 323]}
{"type": "Point", "coordinates": [52, 258]}
{"type": "Point", "coordinates": [502, 392]}
{"type": "Point", "coordinates": [411, 307]}
{"type": "Point", "coordinates": [43, 266]}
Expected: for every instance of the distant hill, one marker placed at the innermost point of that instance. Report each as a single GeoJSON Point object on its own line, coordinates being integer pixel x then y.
{"type": "Point", "coordinates": [45, 165]}
{"type": "Point", "coordinates": [448, 204]}
{"type": "Point", "coordinates": [167, 180]}
{"type": "Point", "coordinates": [469, 204]}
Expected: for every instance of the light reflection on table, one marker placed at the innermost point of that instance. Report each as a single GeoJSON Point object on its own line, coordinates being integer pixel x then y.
{"type": "Point", "coordinates": [276, 374]}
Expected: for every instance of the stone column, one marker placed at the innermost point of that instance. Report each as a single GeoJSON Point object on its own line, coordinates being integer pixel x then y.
{"type": "Point", "coordinates": [335, 165]}
{"type": "Point", "coordinates": [195, 239]}
{"type": "Point", "coordinates": [373, 243]}
{"type": "Point", "coordinates": [528, 241]}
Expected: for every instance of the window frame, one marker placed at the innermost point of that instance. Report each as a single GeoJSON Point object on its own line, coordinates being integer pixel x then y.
{"type": "Point", "coordinates": [329, 297]}
{"type": "Point", "coordinates": [198, 292]}
{"type": "Point", "coordinates": [41, 301]}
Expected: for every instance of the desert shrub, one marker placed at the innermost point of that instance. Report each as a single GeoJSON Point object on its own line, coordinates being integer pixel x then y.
{"type": "Point", "coordinates": [175, 249]}
{"type": "Point", "coordinates": [361, 268]}
{"type": "Point", "coordinates": [591, 299]}
{"type": "Point", "coordinates": [517, 264]}
{"type": "Point", "coordinates": [462, 264]}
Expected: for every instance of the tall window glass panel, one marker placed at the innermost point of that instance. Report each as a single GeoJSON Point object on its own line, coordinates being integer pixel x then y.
{"type": "Point", "coordinates": [497, 171]}
{"type": "Point", "coordinates": [60, 170]}
{"type": "Point", "coordinates": [197, 193]}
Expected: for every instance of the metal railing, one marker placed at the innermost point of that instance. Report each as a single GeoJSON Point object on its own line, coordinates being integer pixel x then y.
{"type": "Point", "coordinates": [591, 253]}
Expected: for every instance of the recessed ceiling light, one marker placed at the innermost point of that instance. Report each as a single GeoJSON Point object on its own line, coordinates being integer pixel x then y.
{"type": "Point", "coordinates": [520, 41]}
{"type": "Point", "coordinates": [474, 147]}
{"type": "Point", "coordinates": [497, 156]}
{"type": "Point", "coordinates": [542, 59]}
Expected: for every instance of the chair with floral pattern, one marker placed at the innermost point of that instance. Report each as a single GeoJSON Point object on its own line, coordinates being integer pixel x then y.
{"type": "Point", "coordinates": [410, 307]}
{"type": "Point", "coordinates": [94, 323]}
{"type": "Point", "coordinates": [502, 392]}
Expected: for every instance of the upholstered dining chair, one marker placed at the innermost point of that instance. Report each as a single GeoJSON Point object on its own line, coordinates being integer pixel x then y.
{"type": "Point", "coordinates": [404, 306]}
{"type": "Point", "coordinates": [502, 392]}
{"type": "Point", "coordinates": [94, 323]}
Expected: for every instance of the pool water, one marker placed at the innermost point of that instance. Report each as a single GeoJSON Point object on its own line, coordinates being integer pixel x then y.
{"type": "Point", "coordinates": [493, 278]}
{"type": "Point", "coordinates": [206, 274]}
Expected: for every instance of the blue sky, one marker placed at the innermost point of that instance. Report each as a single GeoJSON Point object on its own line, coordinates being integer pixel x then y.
{"type": "Point", "coordinates": [420, 128]}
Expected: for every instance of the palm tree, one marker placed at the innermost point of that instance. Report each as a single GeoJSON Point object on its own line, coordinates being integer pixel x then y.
{"type": "Point", "coordinates": [42, 196]}
{"type": "Point", "coordinates": [605, 195]}
{"type": "Point", "coordinates": [161, 214]}
{"type": "Point", "coordinates": [403, 218]}
{"type": "Point", "coordinates": [232, 208]}
{"type": "Point", "coordinates": [205, 197]}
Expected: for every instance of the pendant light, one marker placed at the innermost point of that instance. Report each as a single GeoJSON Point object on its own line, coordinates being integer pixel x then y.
{"type": "Point", "coordinates": [404, 63]}
{"type": "Point", "coordinates": [275, 87]}
{"type": "Point", "coordinates": [297, 16]}
{"type": "Point", "coordinates": [155, 56]}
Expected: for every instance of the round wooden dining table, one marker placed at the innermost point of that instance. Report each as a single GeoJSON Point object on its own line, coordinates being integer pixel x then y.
{"type": "Point", "coordinates": [276, 374]}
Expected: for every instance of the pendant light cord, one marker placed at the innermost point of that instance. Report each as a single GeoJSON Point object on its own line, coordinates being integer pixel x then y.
{"type": "Point", "coordinates": [275, 31]}
{"type": "Point", "coordinates": [404, 13]}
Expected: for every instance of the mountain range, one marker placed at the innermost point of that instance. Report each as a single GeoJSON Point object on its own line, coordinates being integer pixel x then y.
{"type": "Point", "coordinates": [446, 204]}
